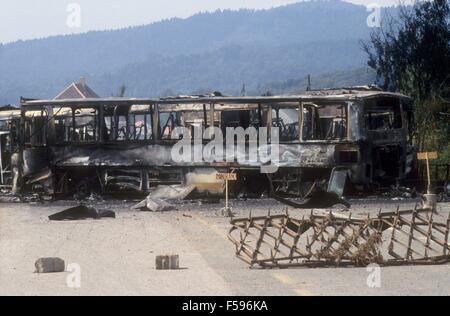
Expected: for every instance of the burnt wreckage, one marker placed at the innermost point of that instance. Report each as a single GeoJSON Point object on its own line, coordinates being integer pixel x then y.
{"type": "Point", "coordinates": [332, 138]}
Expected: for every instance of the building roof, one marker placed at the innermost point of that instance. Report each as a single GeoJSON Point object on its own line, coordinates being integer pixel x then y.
{"type": "Point", "coordinates": [77, 90]}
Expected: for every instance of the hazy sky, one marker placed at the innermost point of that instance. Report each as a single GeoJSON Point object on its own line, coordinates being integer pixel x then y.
{"type": "Point", "coordinates": [25, 19]}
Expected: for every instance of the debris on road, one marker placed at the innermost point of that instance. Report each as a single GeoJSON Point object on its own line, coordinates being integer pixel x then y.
{"type": "Point", "coordinates": [81, 212]}
{"type": "Point", "coordinates": [173, 192]}
{"type": "Point", "coordinates": [167, 262]}
{"type": "Point", "coordinates": [330, 239]}
{"type": "Point", "coordinates": [317, 199]}
{"type": "Point", "coordinates": [402, 192]}
{"type": "Point", "coordinates": [154, 205]}
{"type": "Point", "coordinates": [157, 201]}
{"type": "Point", "coordinates": [50, 265]}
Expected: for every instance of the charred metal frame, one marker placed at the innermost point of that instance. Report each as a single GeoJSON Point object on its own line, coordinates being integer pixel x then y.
{"type": "Point", "coordinates": [332, 239]}
{"type": "Point", "coordinates": [141, 162]}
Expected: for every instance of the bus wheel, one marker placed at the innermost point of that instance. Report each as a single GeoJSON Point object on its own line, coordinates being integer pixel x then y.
{"type": "Point", "coordinates": [83, 189]}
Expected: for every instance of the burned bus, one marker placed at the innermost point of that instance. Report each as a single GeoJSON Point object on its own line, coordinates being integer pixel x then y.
{"type": "Point", "coordinates": [125, 144]}
{"type": "Point", "coordinates": [9, 124]}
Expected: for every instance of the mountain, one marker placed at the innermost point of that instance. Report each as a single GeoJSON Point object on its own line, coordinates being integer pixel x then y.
{"type": "Point", "coordinates": [218, 51]}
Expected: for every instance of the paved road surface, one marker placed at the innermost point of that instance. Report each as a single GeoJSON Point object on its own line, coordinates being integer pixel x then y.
{"type": "Point", "coordinates": [117, 256]}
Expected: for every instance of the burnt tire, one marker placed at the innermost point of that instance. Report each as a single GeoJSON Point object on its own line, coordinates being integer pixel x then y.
{"type": "Point", "coordinates": [83, 189]}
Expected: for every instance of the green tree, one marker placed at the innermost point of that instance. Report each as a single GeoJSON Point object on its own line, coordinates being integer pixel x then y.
{"type": "Point", "coordinates": [411, 54]}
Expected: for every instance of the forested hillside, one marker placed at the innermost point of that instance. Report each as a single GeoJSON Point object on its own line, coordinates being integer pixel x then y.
{"type": "Point", "coordinates": [208, 51]}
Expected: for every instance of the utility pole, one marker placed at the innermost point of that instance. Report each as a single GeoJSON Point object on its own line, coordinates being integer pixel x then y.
{"type": "Point", "coordinates": [244, 90]}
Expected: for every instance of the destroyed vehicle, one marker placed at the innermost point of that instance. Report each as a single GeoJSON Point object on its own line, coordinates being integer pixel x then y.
{"type": "Point", "coordinates": [122, 144]}
{"type": "Point", "coordinates": [9, 142]}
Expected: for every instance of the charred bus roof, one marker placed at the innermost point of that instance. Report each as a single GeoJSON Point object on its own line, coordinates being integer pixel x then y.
{"type": "Point", "coordinates": [337, 95]}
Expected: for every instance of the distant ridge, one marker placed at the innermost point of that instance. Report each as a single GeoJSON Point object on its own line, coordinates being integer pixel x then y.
{"type": "Point", "coordinates": [208, 51]}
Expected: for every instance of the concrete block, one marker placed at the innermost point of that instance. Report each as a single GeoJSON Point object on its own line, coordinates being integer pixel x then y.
{"type": "Point", "coordinates": [50, 265]}
{"type": "Point", "coordinates": [168, 262]}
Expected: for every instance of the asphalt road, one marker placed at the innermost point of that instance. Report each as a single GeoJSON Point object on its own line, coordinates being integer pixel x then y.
{"type": "Point", "coordinates": [117, 256]}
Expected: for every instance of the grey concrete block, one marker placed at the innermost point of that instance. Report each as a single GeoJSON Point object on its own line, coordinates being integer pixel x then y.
{"type": "Point", "coordinates": [168, 262]}
{"type": "Point", "coordinates": [50, 265]}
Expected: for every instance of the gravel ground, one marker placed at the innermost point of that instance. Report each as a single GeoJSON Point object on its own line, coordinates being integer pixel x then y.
{"type": "Point", "coordinates": [117, 256]}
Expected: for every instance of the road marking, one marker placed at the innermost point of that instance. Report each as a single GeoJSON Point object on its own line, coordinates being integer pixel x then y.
{"type": "Point", "coordinates": [212, 227]}
{"type": "Point", "coordinates": [301, 292]}
{"type": "Point", "coordinates": [283, 278]}
{"type": "Point", "coordinates": [286, 280]}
